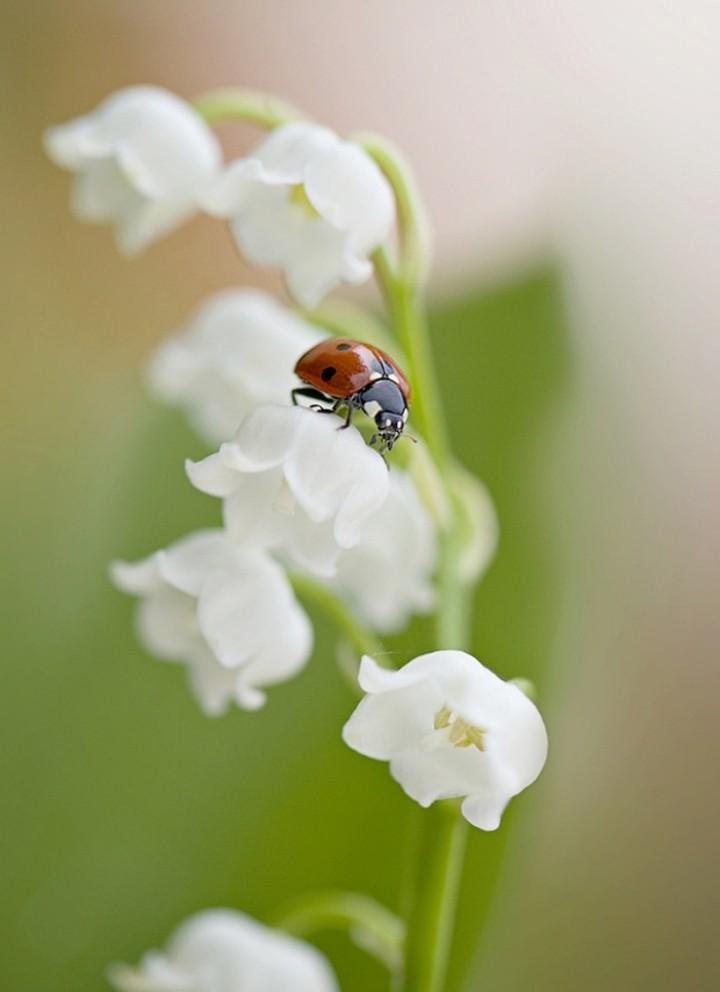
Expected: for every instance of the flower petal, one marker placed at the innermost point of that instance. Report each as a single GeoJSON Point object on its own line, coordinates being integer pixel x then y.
{"type": "Point", "coordinates": [374, 679]}
{"type": "Point", "coordinates": [348, 189]}
{"type": "Point", "coordinates": [237, 351]}
{"type": "Point", "coordinates": [150, 220]}
{"type": "Point", "coordinates": [484, 811]}
{"type": "Point", "coordinates": [211, 475]}
{"type": "Point", "coordinates": [230, 192]}
{"type": "Point", "coordinates": [289, 149]}
{"type": "Point", "coordinates": [397, 540]}
{"type": "Point", "coordinates": [334, 473]}
{"type": "Point", "coordinates": [162, 144]}
{"type": "Point", "coordinates": [166, 625]}
{"type": "Point", "coordinates": [269, 229]}
{"type": "Point", "coordinates": [427, 775]}
{"type": "Point", "coordinates": [212, 685]}
{"type": "Point", "coordinates": [186, 563]}
{"type": "Point", "coordinates": [383, 725]}
{"type": "Point", "coordinates": [265, 438]}
{"type": "Point", "coordinates": [287, 653]}
{"type": "Point", "coordinates": [101, 194]}
{"type": "Point", "coordinates": [222, 950]}
{"type": "Point", "coordinates": [138, 577]}
{"type": "Point", "coordinates": [225, 949]}
{"type": "Point", "coordinates": [236, 613]}
{"type": "Point", "coordinates": [316, 256]}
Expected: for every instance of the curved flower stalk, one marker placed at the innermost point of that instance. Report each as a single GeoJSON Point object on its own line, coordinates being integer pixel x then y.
{"type": "Point", "coordinates": [222, 950]}
{"type": "Point", "coordinates": [309, 203]}
{"type": "Point", "coordinates": [236, 352]}
{"type": "Point", "coordinates": [450, 728]}
{"type": "Point", "coordinates": [387, 576]}
{"type": "Point", "coordinates": [292, 482]}
{"type": "Point", "coordinates": [228, 614]}
{"type": "Point", "coordinates": [141, 159]}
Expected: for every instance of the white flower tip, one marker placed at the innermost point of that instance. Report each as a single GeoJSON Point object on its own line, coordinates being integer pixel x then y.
{"type": "Point", "coordinates": [368, 668]}
{"type": "Point", "coordinates": [125, 978]}
{"type": "Point", "coordinates": [200, 473]}
{"type": "Point", "coordinates": [117, 573]}
{"type": "Point", "coordinates": [250, 698]}
{"type": "Point", "coordinates": [481, 814]}
{"type": "Point", "coordinates": [52, 144]}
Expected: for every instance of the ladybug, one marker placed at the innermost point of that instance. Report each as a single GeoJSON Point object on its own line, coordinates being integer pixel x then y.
{"type": "Point", "coordinates": [356, 376]}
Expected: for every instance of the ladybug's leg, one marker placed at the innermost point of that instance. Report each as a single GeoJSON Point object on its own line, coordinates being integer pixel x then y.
{"type": "Point", "coordinates": [348, 418]}
{"type": "Point", "coordinates": [307, 392]}
{"type": "Point", "coordinates": [373, 440]}
{"type": "Point", "coordinates": [353, 403]}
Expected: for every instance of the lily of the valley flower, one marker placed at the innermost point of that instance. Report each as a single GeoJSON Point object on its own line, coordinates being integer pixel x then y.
{"type": "Point", "coordinates": [308, 202]}
{"type": "Point", "coordinates": [141, 159]}
{"type": "Point", "coordinates": [227, 613]}
{"type": "Point", "coordinates": [222, 950]}
{"type": "Point", "coordinates": [237, 351]}
{"type": "Point", "coordinates": [291, 481]}
{"type": "Point", "coordinates": [386, 577]}
{"type": "Point", "coordinates": [450, 728]}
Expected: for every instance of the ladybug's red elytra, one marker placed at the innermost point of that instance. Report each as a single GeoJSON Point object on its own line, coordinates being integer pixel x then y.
{"type": "Point", "coordinates": [357, 376]}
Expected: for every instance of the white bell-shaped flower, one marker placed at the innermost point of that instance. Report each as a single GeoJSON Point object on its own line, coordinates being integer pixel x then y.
{"type": "Point", "coordinates": [308, 202]}
{"type": "Point", "coordinates": [293, 482]}
{"type": "Point", "coordinates": [450, 728]}
{"type": "Point", "coordinates": [222, 950]}
{"type": "Point", "coordinates": [386, 577]}
{"type": "Point", "coordinates": [140, 159]}
{"type": "Point", "coordinates": [229, 614]}
{"type": "Point", "coordinates": [237, 351]}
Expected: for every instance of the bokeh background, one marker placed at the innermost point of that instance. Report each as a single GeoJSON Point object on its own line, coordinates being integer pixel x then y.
{"type": "Point", "coordinates": [570, 156]}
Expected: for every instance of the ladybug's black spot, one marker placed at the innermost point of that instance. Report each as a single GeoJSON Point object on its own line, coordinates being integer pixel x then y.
{"type": "Point", "coordinates": [343, 347]}
{"type": "Point", "coordinates": [327, 374]}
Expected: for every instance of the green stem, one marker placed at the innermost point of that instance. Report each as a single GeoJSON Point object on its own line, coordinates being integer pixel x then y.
{"type": "Point", "coordinates": [442, 843]}
{"type": "Point", "coordinates": [412, 221]}
{"type": "Point", "coordinates": [233, 104]}
{"type": "Point", "coordinates": [455, 597]}
{"type": "Point", "coordinates": [431, 923]}
{"type": "Point", "coordinates": [373, 926]}
{"type": "Point", "coordinates": [362, 640]}
{"type": "Point", "coordinates": [405, 303]}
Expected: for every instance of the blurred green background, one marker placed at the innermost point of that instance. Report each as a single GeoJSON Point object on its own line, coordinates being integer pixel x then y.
{"type": "Point", "coordinates": [123, 809]}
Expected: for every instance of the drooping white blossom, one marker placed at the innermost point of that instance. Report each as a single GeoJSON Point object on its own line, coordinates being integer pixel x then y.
{"type": "Point", "coordinates": [238, 351]}
{"type": "Point", "coordinates": [308, 202]}
{"type": "Point", "coordinates": [387, 576]}
{"type": "Point", "coordinates": [223, 950]}
{"type": "Point", "coordinates": [450, 728]}
{"type": "Point", "coordinates": [227, 613]}
{"type": "Point", "coordinates": [293, 482]}
{"type": "Point", "coordinates": [140, 159]}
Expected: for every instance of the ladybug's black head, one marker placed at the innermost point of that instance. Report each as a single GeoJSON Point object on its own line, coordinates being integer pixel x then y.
{"type": "Point", "coordinates": [390, 426]}
{"type": "Point", "coordinates": [384, 401]}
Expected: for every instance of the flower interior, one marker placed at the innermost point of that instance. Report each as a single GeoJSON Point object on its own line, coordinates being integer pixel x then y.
{"type": "Point", "coordinates": [457, 731]}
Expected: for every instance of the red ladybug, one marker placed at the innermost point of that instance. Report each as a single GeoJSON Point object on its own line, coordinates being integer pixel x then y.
{"type": "Point", "coordinates": [359, 377]}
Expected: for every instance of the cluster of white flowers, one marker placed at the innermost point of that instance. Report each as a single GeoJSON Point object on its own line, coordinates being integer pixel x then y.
{"type": "Point", "coordinates": [296, 492]}
{"type": "Point", "coordinates": [303, 200]}
{"type": "Point", "coordinates": [298, 495]}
